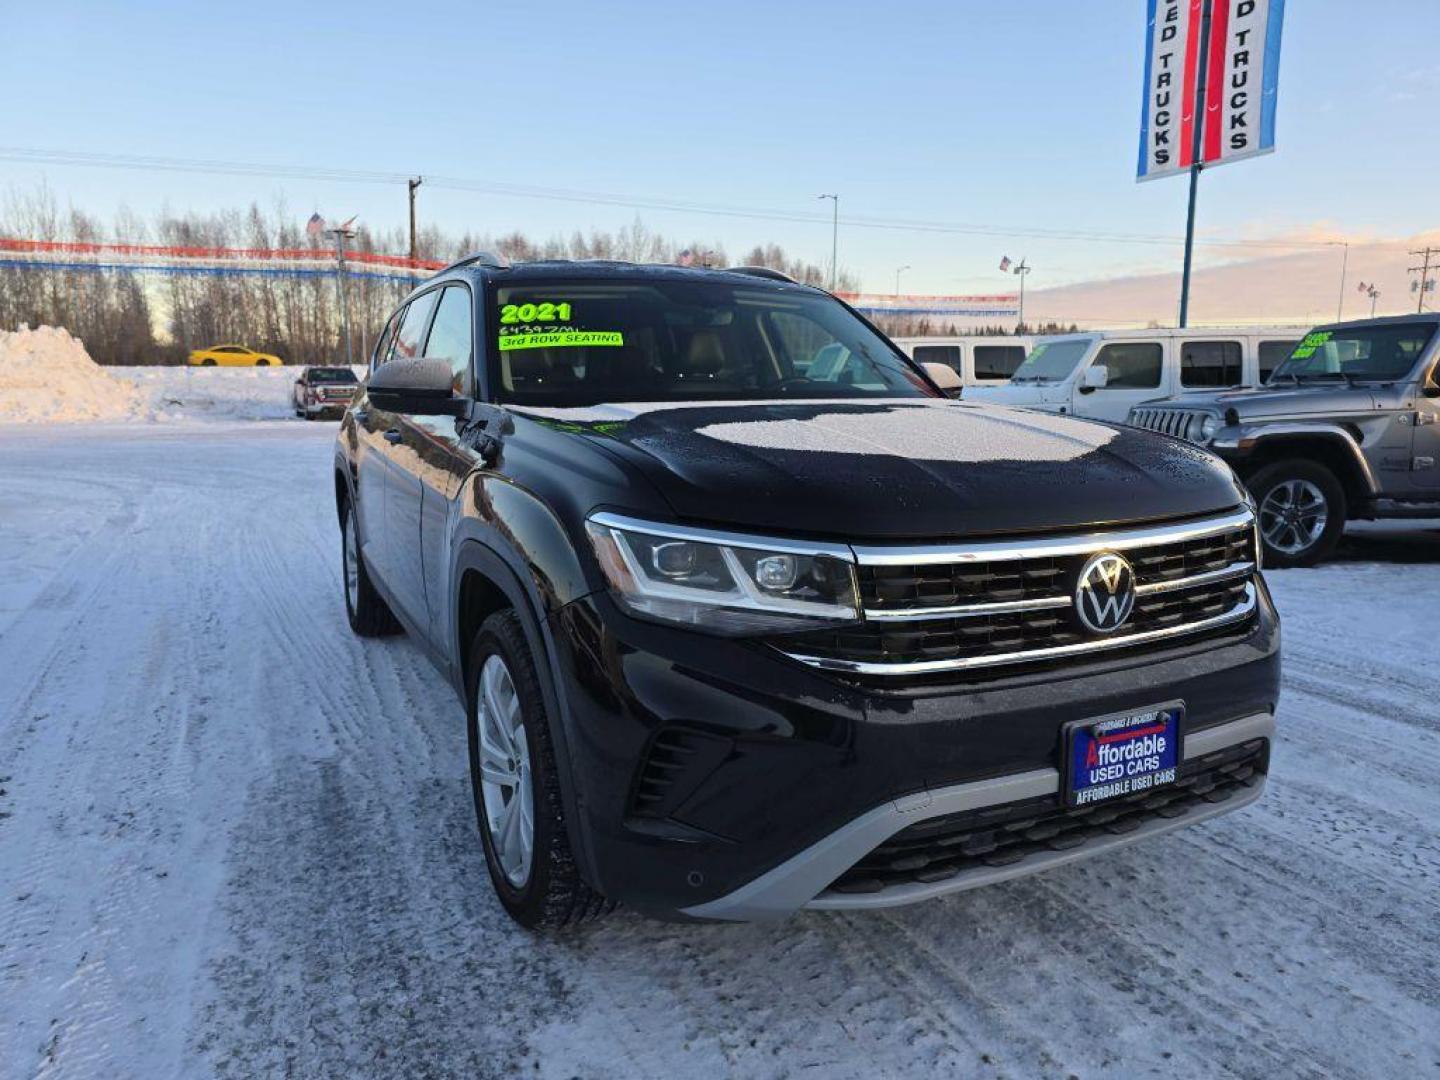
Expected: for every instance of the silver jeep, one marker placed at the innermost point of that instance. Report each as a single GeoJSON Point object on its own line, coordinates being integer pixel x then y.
{"type": "Point", "coordinates": [1347, 427]}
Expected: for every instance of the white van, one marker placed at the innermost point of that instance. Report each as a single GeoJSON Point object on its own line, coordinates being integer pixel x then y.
{"type": "Point", "coordinates": [977, 360]}
{"type": "Point", "coordinates": [1103, 374]}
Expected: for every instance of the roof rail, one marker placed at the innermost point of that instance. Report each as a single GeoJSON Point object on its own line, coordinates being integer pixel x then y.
{"type": "Point", "coordinates": [762, 271]}
{"type": "Point", "coordinates": [480, 258]}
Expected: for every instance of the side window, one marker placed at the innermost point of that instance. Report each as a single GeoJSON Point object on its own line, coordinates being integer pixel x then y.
{"type": "Point", "coordinates": [997, 361]}
{"type": "Point", "coordinates": [410, 336]}
{"type": "Point", "coordinates": [1131, 365]}
{"type": "Point", "coordinates": [452, 337]}
{"type": "Point", "coordinates": [1272, 355]}
{"type": "Point", "coordinates": [949, 355]}
{"type": "Point", "coordinates": [387, 338]}
{"type": "Point", "coordinates": [1210, 363]}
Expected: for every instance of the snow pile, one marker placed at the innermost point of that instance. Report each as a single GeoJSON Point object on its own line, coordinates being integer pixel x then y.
{"type": "Point", "coordinates": [46, 376]}
{"type": "Point", "coordinates": [238, 393]}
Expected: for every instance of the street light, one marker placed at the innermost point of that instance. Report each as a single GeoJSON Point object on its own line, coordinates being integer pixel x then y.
{"type": "Point", "coordinates": [342, 233]}
{"type": "Point", "coordinates": [834, 239]}
{"type": "Point", "coordinates": [898, 271]}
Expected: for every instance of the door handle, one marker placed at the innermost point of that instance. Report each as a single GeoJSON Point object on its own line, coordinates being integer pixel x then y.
{"type": "Point", "coordinates": [393, 436]}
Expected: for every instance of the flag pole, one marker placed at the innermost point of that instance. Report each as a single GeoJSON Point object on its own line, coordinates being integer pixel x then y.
{"type": "Point", "coordinates": [1196, 156]}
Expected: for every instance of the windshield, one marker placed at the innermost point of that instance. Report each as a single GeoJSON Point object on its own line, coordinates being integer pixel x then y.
{"type": "Point", "coordinates": [1364, 352]}
{"type": "Point", "coordinates": [591, 341]}
{"type": "Point", "coordinates": [331, 375]}
{"type": "Point", "coordinates": [1051, 361]}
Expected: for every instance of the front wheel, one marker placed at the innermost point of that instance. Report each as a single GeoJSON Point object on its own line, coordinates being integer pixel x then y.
{"type": "Point", "coordinates": [1302, 512]}
{"type": "Point", "coordinates": [517, 786]}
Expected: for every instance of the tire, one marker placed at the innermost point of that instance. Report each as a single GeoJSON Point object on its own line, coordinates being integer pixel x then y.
{"type": "Point", "coordinates": [367, 611]}
{"type": "Point", "coordinates": [262, 363]}
{"type": "Point", "coordinates": [546, 892]}
{"type": "Point", "coordinates": [207, 363]}
{"type": "Point", "coordinates": [1302, 510]}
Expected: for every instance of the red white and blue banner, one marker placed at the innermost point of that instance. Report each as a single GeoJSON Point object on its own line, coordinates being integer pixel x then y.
{"type": "Point", "coordinates": [1240, 77]}
{"type": "Point", "coordinates": [1002, 305]}
{"type": "Point", "coordinates": [207, 261]}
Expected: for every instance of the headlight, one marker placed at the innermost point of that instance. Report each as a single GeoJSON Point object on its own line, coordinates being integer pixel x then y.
{"type": "Point", "coordinates": [1209, 427]}
{"type": "Point", "coordinates": [720, 582]}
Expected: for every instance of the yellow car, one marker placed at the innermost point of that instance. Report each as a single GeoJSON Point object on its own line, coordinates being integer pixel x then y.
{"type": "Point", "coordinates": [232, 356]}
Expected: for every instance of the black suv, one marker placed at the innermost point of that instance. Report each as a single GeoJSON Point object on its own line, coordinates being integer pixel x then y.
{"type": "Point", "coordinates": [748, 617]}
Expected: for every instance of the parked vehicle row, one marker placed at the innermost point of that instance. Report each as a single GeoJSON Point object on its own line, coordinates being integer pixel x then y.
{"type": "Point", "coordinates": [746, 617]}
{"type": "Point", "coordinates": [977, 360]}
{"type": "Point", "coordinates": [1347, 427]}
{"type": "Point", "coordinates": [1104, 374]}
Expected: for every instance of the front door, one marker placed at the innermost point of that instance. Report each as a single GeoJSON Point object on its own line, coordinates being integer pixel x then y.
{"type": "Point", "coordinates": [436, 463]}
{"type": "Point", "coordinates": [1425, 456]}
{"type": "Point", "coordinates": [1135, 374]}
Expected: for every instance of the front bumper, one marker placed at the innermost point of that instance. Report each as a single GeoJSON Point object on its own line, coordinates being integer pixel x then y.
{"type": "Point", "coordinates": [719, 779]}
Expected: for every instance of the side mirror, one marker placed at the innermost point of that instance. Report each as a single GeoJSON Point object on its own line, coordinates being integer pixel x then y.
{"type": "Point", "coordinates": [1094, 378]}
{"type": "Point", "coordinates": [416, 387]}
{"type": "Point", "coordinates": [943, 376]}
{"type": "Point", "coordinates": [1431, 388]}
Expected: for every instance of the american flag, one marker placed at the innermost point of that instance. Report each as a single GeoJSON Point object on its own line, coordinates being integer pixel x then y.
{"type": "Point", "coordinates": [315, 226]}
{"type": "Point", "coordinates": [1004, 263]}
{"type": "Point", "coordinates": [685, 258]}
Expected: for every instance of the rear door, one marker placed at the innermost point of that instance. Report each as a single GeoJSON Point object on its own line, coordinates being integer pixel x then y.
{"type": "Point", "coordinates": [1135, 373]}
{"type": "Point", "coordinates": [404, 463]}
{"type": "Point", "coordinates": [371, 465]}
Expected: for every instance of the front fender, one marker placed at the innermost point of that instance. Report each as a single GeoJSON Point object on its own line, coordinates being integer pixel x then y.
{"type": "Point", "coordinates": [1244, 440]}
{"type": "Point", "coordinates": [518, 544]}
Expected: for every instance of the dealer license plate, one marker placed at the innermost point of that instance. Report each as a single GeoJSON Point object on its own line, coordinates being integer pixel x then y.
{"type": "Point", "coordinates": [1114, 756]}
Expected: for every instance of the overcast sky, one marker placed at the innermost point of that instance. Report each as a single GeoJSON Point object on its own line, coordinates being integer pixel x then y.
{"type": "Point", "coordinates": [1019, 115]}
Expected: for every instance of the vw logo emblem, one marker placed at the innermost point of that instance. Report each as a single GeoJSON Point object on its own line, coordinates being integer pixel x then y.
{"type": "Point", "coordinates": [1105, 593]}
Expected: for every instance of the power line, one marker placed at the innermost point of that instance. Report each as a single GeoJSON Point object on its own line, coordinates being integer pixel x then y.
{"type": "Point", "coordinates": [154, 163]}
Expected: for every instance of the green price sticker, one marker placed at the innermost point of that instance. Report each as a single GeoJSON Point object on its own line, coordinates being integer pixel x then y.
{"type": "Point", "coordinates": [560, 339]}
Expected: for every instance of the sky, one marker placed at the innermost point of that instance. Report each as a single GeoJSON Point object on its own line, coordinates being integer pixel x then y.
{"type": "Point", "coordinates": [1019, 117]}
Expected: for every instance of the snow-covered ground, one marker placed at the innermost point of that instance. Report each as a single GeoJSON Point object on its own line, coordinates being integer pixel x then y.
{"type": "Point", "coordinates": [237, 841]}
{"type": "Point", "coordinates": [47, 377]}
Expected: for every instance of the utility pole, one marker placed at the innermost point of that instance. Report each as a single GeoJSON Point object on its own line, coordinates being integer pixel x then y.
{"type": "Point", "coordinates": [342, 233]}
{"type": "Point", "coordinates": [834, 240]}
{"type": "Point", "coordinates": [1344, 265]}
{"type": "Point", "coordinates": [1423, 270]}
{"type": "Point", "coordinates": [413, 183]}
{"type": "Point", "coordinates": [1196, 153]}
{"type": "Point", "coordinates": [1021, 269]}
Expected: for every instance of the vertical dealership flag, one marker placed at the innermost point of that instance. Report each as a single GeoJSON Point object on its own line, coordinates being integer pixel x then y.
{"type": "Point", "coordinates": [1241, 74]}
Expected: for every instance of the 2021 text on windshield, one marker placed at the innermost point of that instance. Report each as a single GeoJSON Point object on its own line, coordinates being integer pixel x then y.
{"type": "Point", "coordinates": [571, 343]}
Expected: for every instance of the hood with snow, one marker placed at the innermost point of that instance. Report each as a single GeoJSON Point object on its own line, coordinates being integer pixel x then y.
{"type": "Point", "coordinates": [911, 468]}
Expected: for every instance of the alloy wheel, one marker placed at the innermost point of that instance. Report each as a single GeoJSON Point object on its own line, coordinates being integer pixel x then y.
{"type": "Point", "coordinates": [1293, 516]}
{"type": "Point", "coordinates": [505, 771]}
{"type": "Point", "coordinates": [352, 563]}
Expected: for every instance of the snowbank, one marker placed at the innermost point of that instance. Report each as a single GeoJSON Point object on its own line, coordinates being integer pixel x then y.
{"type": "Point", "coordinates": [46, 376]}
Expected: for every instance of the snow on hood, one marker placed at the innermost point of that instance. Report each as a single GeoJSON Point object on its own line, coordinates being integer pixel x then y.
{"type": "Point", "coordinates": [949, 434]}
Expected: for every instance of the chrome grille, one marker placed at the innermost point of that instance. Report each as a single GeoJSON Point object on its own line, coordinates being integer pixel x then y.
{"type": "Point", "coordinates": [969, 606]}
{"type": "Point", "coordinates": [1181, 423]}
